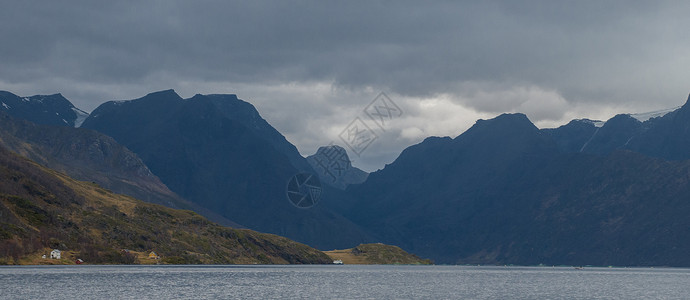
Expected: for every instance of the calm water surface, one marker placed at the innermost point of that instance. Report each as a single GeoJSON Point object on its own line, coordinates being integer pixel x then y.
{"type": "Point", "coordinates": [341, 282]}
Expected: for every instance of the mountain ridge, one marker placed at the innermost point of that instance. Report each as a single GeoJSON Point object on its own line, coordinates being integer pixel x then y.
{"type": "Point", "coordinates": [52, 109]}
{"type": "Point", "coordinates": [504, 192]}
{"type": "Point", "coordinates": [663, 135]}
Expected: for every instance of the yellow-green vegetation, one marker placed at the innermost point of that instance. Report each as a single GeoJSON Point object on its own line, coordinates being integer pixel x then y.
{"type": "Point", "coordinates": [376, 254]}
{"type": "Point", "coordinates": [41, 210]}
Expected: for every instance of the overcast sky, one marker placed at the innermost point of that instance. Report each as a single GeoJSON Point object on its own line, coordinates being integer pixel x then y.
{"type": "Point", "coordinates": [310, 68]}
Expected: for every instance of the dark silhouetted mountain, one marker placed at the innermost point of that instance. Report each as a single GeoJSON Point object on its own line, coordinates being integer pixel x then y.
{"type": "Point", "coordinates": [42, 210]}
{"type": "Point", "coordinates": [217, 152]}
{"type": "Point", "coordinates": [663, 134]}
{"type": "Point", "coordinates": [333, 166]}
{"type": "Point", "coordinates": [614, 135]}
{"type": "Point", "coordinates": [42, 109]}
{"type": "Point", "coordinates": [666, 137]}
{"type": "Point", "coordinates": [503, 192]}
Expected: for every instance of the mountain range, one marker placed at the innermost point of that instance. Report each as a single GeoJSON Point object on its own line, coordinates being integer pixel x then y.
{"type": "Point", "coordinates": [502, 192]}
{"type": "Point", "coordinates": [663, 135]}
{"type": "Point", "coordinates": [216, 151]}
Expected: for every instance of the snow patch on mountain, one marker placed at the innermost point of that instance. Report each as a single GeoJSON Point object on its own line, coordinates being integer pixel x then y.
{"type": "Point", "coordinates": [81, 116]}
{"type": "Point", "coordinates": [642, 117]}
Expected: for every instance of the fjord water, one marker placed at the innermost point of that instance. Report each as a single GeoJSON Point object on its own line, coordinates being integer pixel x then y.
{"type": "Point", "coordinates": [341, 282]}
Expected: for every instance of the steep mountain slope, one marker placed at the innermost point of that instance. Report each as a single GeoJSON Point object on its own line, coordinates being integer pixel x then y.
{"type": "Point", "coordinates": [42, 109]}
{"type": "Point", "coordinates": [502, 192]}
{"type": "Point", "coordinates": [91, 156]}
{"type": "Point", "coordinates": [333, 166]}
{"type": "Point", "coordinates": [43, 209]}
{"type": "Point", "coordinates": [220, 163]}
{"type": "Point", "coordinates": [238, 110]}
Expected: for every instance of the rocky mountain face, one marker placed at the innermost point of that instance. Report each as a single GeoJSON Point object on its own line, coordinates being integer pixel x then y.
{"type": "Point", "coordinates": [42, 109]}
{"type": "Point", "coordinates": [41, 210]}
{"type": "Point", "coordinates": [507, 192]}
{"type": "Point", "coordinates": [333, 166]}
{"type": "Point", "coordinates": [217, 152]}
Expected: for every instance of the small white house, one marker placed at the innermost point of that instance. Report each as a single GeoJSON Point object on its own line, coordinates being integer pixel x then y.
{"type": "Point", "coordinates": [55, 254]}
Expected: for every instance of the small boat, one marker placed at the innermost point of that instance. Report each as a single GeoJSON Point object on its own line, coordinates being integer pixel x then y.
{"type": "Point", "coordinates": [579, 268]}
{"type": "Point", "coordinates": [338, 262]}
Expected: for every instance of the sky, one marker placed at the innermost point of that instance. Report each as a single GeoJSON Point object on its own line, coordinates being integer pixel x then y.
{"type": "Point", "coordinates": [312, 67]}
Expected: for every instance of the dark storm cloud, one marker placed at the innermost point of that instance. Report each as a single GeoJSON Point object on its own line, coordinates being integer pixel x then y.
{"type": "Point", "coordinates": [631, 54]}
{"type": "Point", "coordinates": [411, 48]}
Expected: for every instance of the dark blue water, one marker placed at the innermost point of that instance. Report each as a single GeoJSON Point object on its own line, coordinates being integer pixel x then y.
{"type": "Point", "coordinates": [341, 282]}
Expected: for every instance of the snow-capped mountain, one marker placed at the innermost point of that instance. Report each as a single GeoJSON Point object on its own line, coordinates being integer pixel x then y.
{"type": "Point", "coordinates": [43, 109]}
{"type": "Point", "coordinates": [642, 117]}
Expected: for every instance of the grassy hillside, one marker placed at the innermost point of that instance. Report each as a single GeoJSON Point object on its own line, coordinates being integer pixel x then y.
{"type": "Point", "coordinates": [41, 209]}
{"type": "Point", "coordinates": [376, 254]}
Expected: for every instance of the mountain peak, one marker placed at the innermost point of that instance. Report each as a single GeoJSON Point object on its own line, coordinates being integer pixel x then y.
{"type": "Point", "coordinates": [510, 123]}
{"type": "Point", "coordinates": [333, 166]}
{"type": "Point", "coordinates": [52, 109]}
{"type": "Point", "coordinates": [163, 93]}
{"type": "Point", "coordinates": [332, 148]}
{"type": "Point", "coordinates": [508, 119]}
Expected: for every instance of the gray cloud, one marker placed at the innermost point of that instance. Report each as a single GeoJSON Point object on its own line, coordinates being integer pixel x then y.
{"type": "Point", "coordinates": [304, 63]}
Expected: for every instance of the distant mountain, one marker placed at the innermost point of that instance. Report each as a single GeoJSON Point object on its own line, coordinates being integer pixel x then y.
{"type": "Point", "coordinates": [663, 134]}
{"type": "Point", "coordinates": [42, 109]}
{"type": "Point", "coordinates": [505, 192]}
{"type": "Point", "coordinates": [217, 152]}
{"type": "Point", "coordinates": [43, 210]}
{"type": "Point", "coordinates": [333, 166]}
